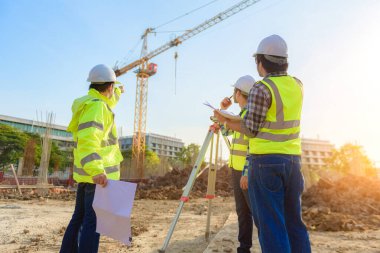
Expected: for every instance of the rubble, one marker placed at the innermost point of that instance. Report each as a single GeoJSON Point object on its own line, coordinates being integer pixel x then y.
{"type": "Point", "coordinates": [351, 203]}
{"type": "Point", "coordinates": [32, 194]}
{"type": "Point", "coordinates": [171, 184]}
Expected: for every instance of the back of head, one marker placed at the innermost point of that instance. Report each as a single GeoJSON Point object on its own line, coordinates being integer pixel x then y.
{"type": "Point", "coordinates": [272, 52]}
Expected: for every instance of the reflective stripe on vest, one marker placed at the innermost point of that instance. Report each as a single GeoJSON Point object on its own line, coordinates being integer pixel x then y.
{"type": "Point", "coordinates": [112, 140]}
{"type": "Point", "coordinates": [108, 170]}
{"type": "Point", "coordinates": [277, 137]}
{"type": "Point", "coordinates": [90, 124]}
{"type": "Point", "coordinates": [280, 132]}
{"type": "Point", "coordinates": [241, 140]}
{"type": "Point", "coordinates": [239, 153]}
{"type": "Point", "coordinates": [90, 158]}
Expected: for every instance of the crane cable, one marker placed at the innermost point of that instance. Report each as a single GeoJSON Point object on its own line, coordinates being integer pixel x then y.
{"type": "Point", "coordinates": [126, 58]}
{"type": "Point", "coordinates": [183, 15]}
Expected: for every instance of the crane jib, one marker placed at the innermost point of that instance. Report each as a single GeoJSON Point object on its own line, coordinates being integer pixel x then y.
{"type": "Point", "coordinates": [189, 34]}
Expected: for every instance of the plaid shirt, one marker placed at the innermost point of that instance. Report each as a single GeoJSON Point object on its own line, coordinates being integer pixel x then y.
{"type": "Point", "coordinates": [259, 101]}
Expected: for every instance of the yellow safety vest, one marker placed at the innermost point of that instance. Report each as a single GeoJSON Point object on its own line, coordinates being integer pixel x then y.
{"type": "Point", "coordinates": [239, 148]}
{"type": "Point", "coordinates": [96, 147]}
{"type": "Point", "coordinates": [280, 133]}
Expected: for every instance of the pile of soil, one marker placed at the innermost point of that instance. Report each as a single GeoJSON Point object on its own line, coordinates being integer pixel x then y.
{"type": "Point", "coordinates": [351, 203]}
{"type": "Point", "coordinates": [29, 194]}
{"type": "Point", "coordinates": [170, 185]}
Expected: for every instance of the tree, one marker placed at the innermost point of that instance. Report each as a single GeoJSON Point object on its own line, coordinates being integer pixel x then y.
{"type": "Point", "coordinates": [12, 143]}
{"type": "Point", "coordinates": [15, 144]}
{"type": "Point", "coordinates": [58, 158]}
{"type": "Point", "coordinates": [32, 153]}
{"type": "Point", "coordinates": [151, 162]}
{"type": "Point", "coordinates": [351, 159]}
{"type": "Point", "coordinates": [188, 155]}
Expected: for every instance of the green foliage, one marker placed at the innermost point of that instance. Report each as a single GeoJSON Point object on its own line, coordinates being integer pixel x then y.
{"type": "Point", "coordinates": [12, 144]}
{"type": "Point", "coordinates": [351, 159]}
{"type": "Point", "coordinates": [38, 149]}
{"type": "Point", "coordinates": [188, 155]}
{"type": "Point", "coordinates": [151, 159]}
{"type": "Point", "coordinates": [175, 162]}
{"type": "Point", "coordinates": [58, 158]}
{"type": "Point", "coordinates": [127, 154]}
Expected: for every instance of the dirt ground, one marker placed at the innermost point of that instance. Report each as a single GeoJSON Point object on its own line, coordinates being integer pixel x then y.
{"type": "Point", "coordinates": [38, 226]}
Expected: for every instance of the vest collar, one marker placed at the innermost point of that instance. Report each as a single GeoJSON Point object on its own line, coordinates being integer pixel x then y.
{"type": "Point", "coordinates": [273, 74]}
{"type": "Point", "coordinates": [243, 110]}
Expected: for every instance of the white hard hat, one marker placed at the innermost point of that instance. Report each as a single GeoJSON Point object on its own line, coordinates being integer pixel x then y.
{"type": "Point", "coordinates": [101, 74]}
{"type": "Point", "coordinates": [245, 83]}
{"type": "Point", "coordinates": [272, 45]}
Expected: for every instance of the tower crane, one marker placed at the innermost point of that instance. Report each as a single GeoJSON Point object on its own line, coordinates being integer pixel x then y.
{"type": "Point", "coordinates": [146, 70]}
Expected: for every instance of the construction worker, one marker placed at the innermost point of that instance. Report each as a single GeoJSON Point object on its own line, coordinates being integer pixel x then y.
{"type": "Point", "coordinates": [238, 154]}
{"type": "Point", "coordinates": [275, 181]}
{"type": "Point", "coordinates": [96, 155]}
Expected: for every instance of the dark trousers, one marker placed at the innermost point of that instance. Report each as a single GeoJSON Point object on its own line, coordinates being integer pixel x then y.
{"type": "Point", "coordinates": [275, 185]}
{"type": "Point", "coordinates": [83, 222]}
{"type": "Point", "coordinates": [243, 211]}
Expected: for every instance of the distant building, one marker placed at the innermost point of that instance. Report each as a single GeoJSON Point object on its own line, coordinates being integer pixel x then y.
{"type": "Point", "coordinates": [314, 152]}
{"type": "Point", "coordinates": [163, 146]}
{"type": "Point", "coordinates": [63, 138]}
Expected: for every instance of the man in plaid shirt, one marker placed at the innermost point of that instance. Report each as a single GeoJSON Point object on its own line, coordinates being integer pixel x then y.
{"type": "Point", "coordinates": [275, 181]}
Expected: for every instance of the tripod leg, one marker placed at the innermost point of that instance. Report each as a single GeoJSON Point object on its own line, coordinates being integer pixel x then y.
{"type": "Point", "coordinates": [211, 188]}
{"type": "Point", "coordinates": [188, 187]}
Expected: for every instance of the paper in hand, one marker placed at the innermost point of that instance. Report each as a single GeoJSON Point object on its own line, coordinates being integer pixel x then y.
{"type": "Point", "coordinates": [209, 105]}
{"type": "Point", "coordinates": [230, 115]}
{"type": "Point", "coordinates": [113, 206]}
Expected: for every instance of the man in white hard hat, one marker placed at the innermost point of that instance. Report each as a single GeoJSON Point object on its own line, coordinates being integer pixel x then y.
{"type": "Point", "coordinates": [275, 181]}
{"type": "Point", "coordinates": [237, 160]}
{"type": "Point", "coordinates": [96, 155]}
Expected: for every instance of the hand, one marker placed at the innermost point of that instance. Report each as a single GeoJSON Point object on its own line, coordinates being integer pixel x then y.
{"type": "Point", "coordinates": [100, 179]}
{"type": "Point", "coordinates": [219, 116]}
{"type": "Point", "coordinates": [121, 87]}
{"type": "Point", "coordinates": [214, 127]}
{"type": "Point", "coordinates": [226, 102]}
{"type": "Point", "coordinates": [244, 183]}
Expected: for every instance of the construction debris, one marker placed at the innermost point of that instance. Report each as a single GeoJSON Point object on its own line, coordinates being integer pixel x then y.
{"type": "Point", "coordinates": [30, 194]}
{"type": "Point", "coordinates": [170, 186]}
{"type": "Point", "coordinates": [351, 203]}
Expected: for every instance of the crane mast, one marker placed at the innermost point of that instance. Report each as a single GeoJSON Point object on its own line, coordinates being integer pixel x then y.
{"type": "Point", "coordinates": [146, 70]}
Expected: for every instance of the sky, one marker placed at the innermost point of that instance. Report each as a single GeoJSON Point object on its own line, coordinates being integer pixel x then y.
{"type": "Point", "coordinates": [48, 47]}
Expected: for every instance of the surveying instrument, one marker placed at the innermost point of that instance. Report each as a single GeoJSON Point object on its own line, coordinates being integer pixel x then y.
{"type": "Point", "coordinates": [210, 195]}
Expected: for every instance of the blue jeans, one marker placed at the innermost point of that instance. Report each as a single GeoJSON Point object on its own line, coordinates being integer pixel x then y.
{"type": "Point", "coordinates": [243, 211]}
{"type": "Point", "coordinates": [83, 220]}
{"type": "Point", "coordinates": [275, 185]}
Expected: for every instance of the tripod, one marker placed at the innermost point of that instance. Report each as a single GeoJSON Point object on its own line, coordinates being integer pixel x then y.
{"type": "Point", "coordinates": [189, 185]}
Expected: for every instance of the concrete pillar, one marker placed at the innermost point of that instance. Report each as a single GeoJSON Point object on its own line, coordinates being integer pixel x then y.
{"type": "Point", "coordinates": [20, 166]}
